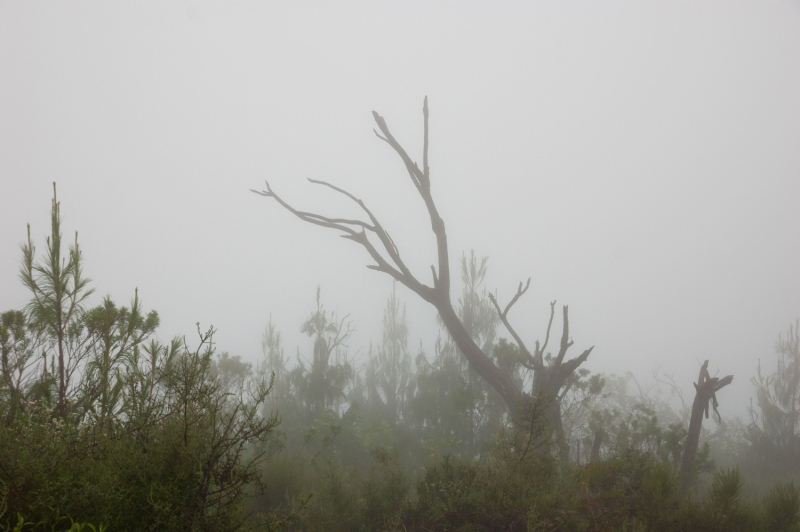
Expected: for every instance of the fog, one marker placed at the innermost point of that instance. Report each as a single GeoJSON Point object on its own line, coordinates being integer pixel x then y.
{"type": "Point", "coordinates": [638, 160]}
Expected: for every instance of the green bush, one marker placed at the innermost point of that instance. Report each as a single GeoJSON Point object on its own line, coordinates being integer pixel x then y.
{"type": "Point", "coordinates": [782, 508]}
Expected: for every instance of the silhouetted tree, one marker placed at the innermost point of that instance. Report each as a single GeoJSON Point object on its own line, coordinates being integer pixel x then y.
{"type": "Point", "coordinates": [389, 366]}
{"type": "Point", "coordinates": [59, 291]}
{"type": "Point", "coordinates": [116, 333]}
{"type": "Point", "coordinates": [18, 350]}
{"type": "Point", "coordinates": [326, 380]}
{"type": "Point", "coordinates": [388, 260]}
{"type": "Point", "coordinates": [706, 390]}
{"type": "Point", "coordinates": [775, 428]}
{"type": "Point", "coordinates": [552, 377]}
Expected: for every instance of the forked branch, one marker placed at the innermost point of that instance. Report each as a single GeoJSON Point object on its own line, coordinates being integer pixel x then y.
{"type": "Point", "coordinates": [422, 182]}
{"type": "Point", "coordinates": [350, 228]}
{"type": "Point", "coordinates": [557, 373]}
{"type": "Point", "coordinates": [376, 227]}
{"type": "Point", "coordinates": [529, 360]}
{"type": "Point", "coordinates": [539, 354]}
{"type": "Point", "coordinates": [566, 342]}
{"type": "Point", "coordinates": [358, 230]}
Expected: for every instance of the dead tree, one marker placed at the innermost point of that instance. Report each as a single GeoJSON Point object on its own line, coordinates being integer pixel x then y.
{"type": "Point", "coordinates": [549, 378]}
{"type": "Point", "coordinates": [376, 240]}
{"type": "Point", "coordinates": [707, 388]}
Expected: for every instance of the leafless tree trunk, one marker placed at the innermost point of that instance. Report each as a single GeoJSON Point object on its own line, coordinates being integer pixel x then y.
{"type": "Point", "coordinates": [548, 379]}
{"type": "Point", "coordinates": [707, 388]}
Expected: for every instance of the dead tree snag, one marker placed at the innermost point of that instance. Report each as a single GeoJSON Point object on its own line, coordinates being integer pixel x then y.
{"type": "Point", "coordinates": [549, 378]}
{"type": "Point", "coordinates": [372, 236]}
{"type": "Point", "coordinates": [707, 388]}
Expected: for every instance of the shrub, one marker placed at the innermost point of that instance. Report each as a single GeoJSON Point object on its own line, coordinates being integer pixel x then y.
{"type": "Point", "coordinates": [782, 508]}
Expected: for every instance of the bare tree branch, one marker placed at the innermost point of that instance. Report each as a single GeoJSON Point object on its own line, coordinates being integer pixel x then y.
{"type": "Point", "coordinates": [403, 274]}
{"type": "Point", "coordinates": [539, 354]}
{"type": "Point", "coordinates": [376, 228]}
{"type": "Point", "coordinates": [504, 318]}
{"type": "Point", "coordinates": [566, 343]}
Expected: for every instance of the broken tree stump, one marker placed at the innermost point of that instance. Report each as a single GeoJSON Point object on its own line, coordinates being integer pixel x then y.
{"type": "Point", "coordinates": [706, 390]}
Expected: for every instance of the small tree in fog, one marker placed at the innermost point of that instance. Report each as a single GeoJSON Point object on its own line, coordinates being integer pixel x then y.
{"type": "Point", "coordinates": [117, 332]}
{"type": "Point", "coordinates": [274, 359]}
{"type": "Point", "coordinates": [388, 372]}
{"type": "Point", "coordinates": [58, 290]}
{"type": "Point", "coordinates": [775, 430]}
{"type": "Point", "coordinates": [18, 359]}
{"type": "Point", "coordinates": [329, 373]}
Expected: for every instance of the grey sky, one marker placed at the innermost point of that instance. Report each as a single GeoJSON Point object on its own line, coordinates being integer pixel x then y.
{"type": "Point", "coordinates": [639, 160]}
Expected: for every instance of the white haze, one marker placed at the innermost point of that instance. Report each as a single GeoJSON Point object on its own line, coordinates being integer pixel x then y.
{"type": "Point", "coordinates": [640, 160]}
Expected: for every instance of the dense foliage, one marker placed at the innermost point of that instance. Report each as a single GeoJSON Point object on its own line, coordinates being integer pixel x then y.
{"type": "Point", "coordinates": [103, 426]}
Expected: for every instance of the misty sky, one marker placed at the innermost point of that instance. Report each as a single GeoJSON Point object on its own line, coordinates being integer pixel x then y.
{"type": "Point", "coordinates": [639, 160]}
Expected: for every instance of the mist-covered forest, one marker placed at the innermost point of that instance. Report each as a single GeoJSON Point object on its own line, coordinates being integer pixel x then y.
{"type": "Point", "coordinates": [106, 426]}
{"type": "Point", "coordinates": [558, 293]}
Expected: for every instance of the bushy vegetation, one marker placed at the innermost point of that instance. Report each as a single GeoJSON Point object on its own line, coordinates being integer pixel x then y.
{"type": "Point", "coordinates": [105, 427]}
{"type": "Point", "coordinates": [101, 423]}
